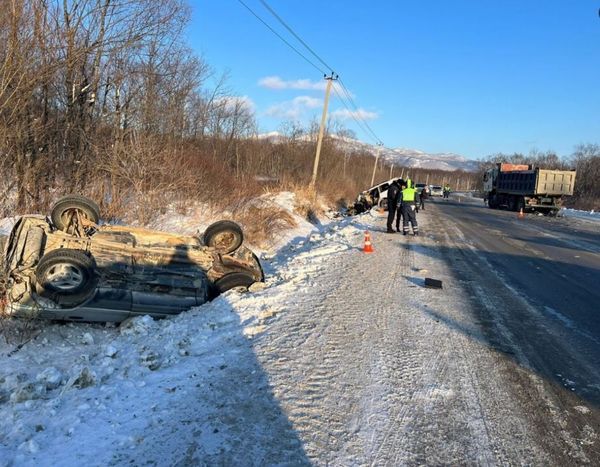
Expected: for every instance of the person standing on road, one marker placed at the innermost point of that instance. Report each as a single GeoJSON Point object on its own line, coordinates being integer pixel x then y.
{"type": "Point", "coordinates": [409, 208]}
{"type": "Point", "coordinates": [423, 197]}
{"type": "Point", "coordinates": [446, 191]}
{"type": "Point", "coordinates": [392, 204]}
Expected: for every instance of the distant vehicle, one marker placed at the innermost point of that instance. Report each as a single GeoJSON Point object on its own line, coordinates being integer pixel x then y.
{"type": "Point", "coordinates": [436, 190]}
{"type": "Point", "coordinates": [67, 267]}
{"type": "Point", "coordinates": [520, 186]}
{"type": "Point", "coordinates": [420, 186]}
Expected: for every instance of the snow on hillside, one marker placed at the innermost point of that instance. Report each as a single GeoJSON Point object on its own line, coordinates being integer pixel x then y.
{"type": "Point", "coordinates": [401, 157]}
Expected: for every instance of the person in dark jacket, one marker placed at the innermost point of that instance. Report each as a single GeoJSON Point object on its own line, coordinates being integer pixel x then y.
{"type": "Point", "coordinates": [409, 208]}
{"type": "Point", "coordinates": [424, 196]}
{"type": "Point", "coordinates": [392, 203]}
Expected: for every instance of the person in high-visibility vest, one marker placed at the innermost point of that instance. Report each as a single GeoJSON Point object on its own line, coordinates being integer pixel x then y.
{"type": "Point", "coordinates": [409, 208]}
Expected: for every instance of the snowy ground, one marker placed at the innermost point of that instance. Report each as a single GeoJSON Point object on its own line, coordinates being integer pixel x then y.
{"type": "Point", "coordinates": [344, 358]}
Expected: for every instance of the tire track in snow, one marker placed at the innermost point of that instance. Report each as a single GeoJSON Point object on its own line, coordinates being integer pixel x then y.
{"type": "Point", "coordinates": [373, 369]}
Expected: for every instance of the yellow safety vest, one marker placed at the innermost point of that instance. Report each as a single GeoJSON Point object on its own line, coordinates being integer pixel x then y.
{"type": "Point", "coordinates": [408, 194]}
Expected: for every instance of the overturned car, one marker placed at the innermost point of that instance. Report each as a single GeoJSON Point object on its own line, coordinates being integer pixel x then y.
{"type": "Point", "coordinates": [68, 267]}
{"type": "Point", "coordinates": [376, 196]}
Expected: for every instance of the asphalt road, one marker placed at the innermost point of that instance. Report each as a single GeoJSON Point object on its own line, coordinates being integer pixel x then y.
{"type": "Point", "coordinates": [536, 284]}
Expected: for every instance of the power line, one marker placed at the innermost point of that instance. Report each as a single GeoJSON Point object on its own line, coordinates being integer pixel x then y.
{"type": "Point", "coordinates": [351, 100]}
{"type": "Point", "coordinates": [355, 114]}
{"type": "Point", "coordinates": [274, 13]}
{"type": "Point", "coordinates": [280, 37]}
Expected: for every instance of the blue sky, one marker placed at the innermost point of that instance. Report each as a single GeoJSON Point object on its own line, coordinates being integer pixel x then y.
{"type": "Point", "coordinates": [471, 77]}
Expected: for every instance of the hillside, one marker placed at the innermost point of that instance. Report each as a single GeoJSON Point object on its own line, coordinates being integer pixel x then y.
{"type": "Point", "coordinates": [401, 157]}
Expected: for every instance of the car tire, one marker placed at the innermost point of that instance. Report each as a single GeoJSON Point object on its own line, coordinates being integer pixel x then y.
{"type": "Point", "coordinates": [224, 236]}
{"type": "Point", "coordinates": [66, 276]}
{"type": "Point", "coordinates": [232, 281]}
{"type": "Point", "coordinates": [65, 211]}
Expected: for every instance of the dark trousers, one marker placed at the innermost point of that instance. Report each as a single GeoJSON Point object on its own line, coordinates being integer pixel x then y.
{"type": "Point", "coordinates": [422, 203]}
{"type": "Point", "coordinates": [409, 214]}
{"type": "Point", "coordinates": [391, 213]}
{"type": "Point", "coordinates": [398, 217]}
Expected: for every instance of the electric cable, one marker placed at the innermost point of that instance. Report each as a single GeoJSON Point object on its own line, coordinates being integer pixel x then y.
{"type": "Point", "coordinates": [285, 25]}
{"type": "Point", "coordinates": [280, 37]}
{"type": "Point", "coordinates": [355, 117]}
{"type": "Point", "coordinates": [355, 114]}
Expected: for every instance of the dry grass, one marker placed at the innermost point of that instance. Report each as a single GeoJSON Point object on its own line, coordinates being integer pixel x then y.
{"type": "Point", "coordinates": [262, 224]}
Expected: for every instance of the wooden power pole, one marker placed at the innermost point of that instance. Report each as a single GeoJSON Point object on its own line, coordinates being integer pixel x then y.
{"type": "Point", "coordinates": [376, 160]}
{"type": "Point", "coordinates": [330, 80]}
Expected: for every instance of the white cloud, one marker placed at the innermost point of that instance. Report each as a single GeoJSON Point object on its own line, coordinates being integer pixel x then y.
{"type": "Point", "coordinates": [359, 114]}
{"type": "Point", "coordinates": [232, 101]}
{"type": "Point", "coordinates": [275, 82]}
{"type": "Point", "coordinates": [294, 109]}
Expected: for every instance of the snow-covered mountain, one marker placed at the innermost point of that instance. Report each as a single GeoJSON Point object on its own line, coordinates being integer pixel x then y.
{"type": "Point", "coordinates": [401, 157]}
{"type": "Point", "coordinates": [414, 158]}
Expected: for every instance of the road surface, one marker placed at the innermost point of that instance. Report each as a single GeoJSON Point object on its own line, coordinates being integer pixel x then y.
{"type": "Point", "coordinates": [499, 367]}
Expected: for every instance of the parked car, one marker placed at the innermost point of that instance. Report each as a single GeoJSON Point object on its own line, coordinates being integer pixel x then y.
{"type": "Point", "coordinates": [436, 190]}
{"type": "Point", "coordinates": [420, 186]}
{"type": "Point", "coordinates": [68, 267]}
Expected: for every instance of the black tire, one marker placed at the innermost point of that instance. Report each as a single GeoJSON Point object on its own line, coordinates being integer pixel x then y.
{"type": "Point", "coordinates": [65, 211]}
{"type": "Point", "coordinates": [66, 276]}
{"type": "Point", "coordinates": [384, 204]}
{"type": "Point", "coordinates": [224, 236]}
{"type": "Point", "coordinates": [233, 280]}
{"type": "Point", "coordinates": [493, 202]}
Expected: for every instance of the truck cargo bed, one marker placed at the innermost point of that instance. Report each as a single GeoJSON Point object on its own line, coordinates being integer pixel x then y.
{"type": "Point", "coordinates": [536, 182]}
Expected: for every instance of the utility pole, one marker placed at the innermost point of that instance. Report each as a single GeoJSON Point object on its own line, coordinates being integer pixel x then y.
{"type": "Point", "coordinates": [376, 160]}
{"type": "Point", "coordinates": [391, 170]}
{"type": "Point", "coordinates": [330, 80]}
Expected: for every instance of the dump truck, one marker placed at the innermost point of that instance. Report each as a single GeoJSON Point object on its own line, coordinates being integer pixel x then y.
{"type": "Point", "coordinates": [521, 187]}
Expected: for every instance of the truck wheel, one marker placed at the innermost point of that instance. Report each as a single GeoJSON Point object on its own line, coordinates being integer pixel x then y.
{"type": "Point", "coordinates": [224, 236]}
{"type": "Point", "coordinates": [66, 276]}
{"type": "Point", "coordinates": [70, 210]}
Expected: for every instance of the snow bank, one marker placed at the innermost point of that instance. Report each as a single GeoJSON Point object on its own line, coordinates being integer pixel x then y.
{"type": "Point", "coordinates": [81, 394]}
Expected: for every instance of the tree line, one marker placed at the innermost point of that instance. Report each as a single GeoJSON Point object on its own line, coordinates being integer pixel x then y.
{"type": "Point", "coordinates": [104, 98]}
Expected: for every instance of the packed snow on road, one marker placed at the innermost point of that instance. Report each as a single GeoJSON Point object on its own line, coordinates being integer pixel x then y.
{"type": "Point", "coordinates": [341, 358]}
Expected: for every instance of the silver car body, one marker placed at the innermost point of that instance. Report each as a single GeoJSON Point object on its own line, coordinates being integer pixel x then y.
{"type": "Point", "coordinates": [138, 271]}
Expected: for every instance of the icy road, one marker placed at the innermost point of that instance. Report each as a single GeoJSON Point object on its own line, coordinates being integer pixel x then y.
{"type": "Point", "coordinates": [344, 358]}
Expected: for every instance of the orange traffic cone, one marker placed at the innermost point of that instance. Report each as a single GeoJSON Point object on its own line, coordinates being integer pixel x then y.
{"type": "Point", "coordinates": [368, 248]}
{"type": "Point", "coordinates": [521, 215]}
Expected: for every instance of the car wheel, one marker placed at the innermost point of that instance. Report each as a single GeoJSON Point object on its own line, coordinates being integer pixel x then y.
{"type": "Point", "coordinates": [70, 214]}
{"type": "Point", "coordinates": [224, 236]}
{"type": "Point", "coordinates": [66, 276]}
{"type": "Point", "coordinates": [233, 280]}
